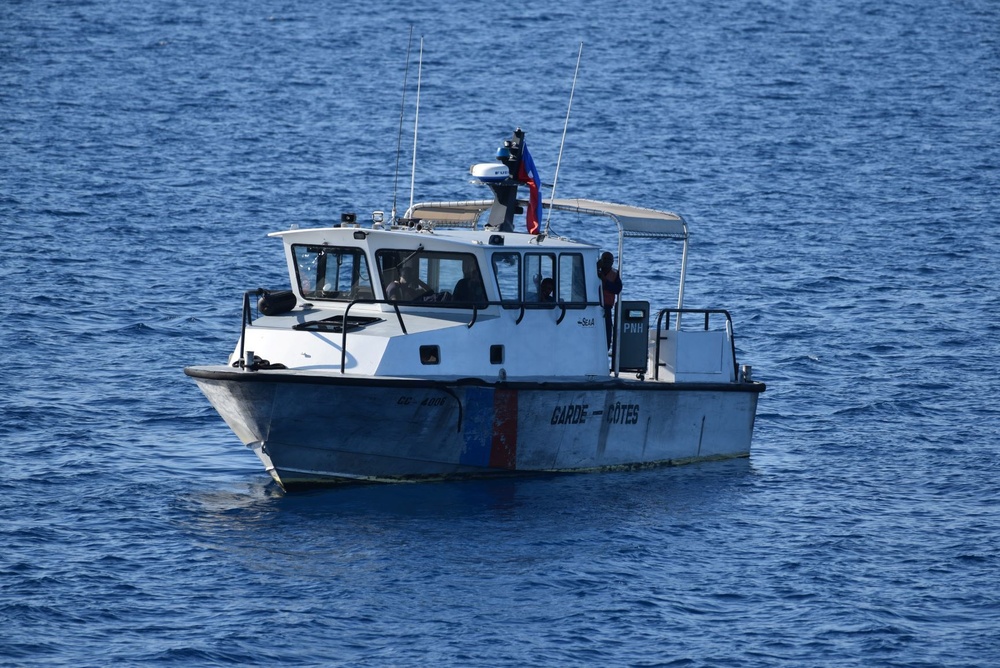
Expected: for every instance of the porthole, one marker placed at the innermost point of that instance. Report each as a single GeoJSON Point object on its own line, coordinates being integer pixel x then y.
{"type": "Point", "coordinates": [430, 354]}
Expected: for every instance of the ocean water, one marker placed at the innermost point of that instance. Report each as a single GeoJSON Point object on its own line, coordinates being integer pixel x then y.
{"type": "Point", "coordinates": [839, 163]}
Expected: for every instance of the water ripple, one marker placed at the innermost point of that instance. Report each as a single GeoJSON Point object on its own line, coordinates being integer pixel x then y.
{"type": "Point", "coordinates": [839, 167]}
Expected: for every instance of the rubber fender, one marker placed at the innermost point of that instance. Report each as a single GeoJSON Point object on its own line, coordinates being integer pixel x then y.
{"type": "Point", "coordinates": [276, 302]}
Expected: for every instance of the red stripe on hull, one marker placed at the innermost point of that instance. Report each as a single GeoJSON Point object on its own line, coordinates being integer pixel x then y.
{"type": "Point", "coordinates": [503, 448]}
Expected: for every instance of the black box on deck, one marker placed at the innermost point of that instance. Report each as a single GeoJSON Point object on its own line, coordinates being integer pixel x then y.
{"type": "Point", "coordinates": [633, 331]}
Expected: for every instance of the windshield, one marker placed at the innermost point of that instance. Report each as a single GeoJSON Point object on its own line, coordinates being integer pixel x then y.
{"type": "Point", "coordinates": [333, 273]}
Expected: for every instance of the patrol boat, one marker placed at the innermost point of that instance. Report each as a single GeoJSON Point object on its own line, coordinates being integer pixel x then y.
{"type": "Point", "coordinates": [424, 348]}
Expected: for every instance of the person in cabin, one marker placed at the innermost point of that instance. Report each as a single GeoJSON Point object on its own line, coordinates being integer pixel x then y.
{"type": "Point", "coordinates": [547, 290]}
{"type": "Point", "coordinates": [407, 287]}
{"type": "Point", "coordinates": [611, 287]}
{"type": "Point", "coordinates": [469, 288]}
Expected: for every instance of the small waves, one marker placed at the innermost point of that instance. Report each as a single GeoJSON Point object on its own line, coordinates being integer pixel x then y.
{"type": "Point", "coordinates": [838, 167]}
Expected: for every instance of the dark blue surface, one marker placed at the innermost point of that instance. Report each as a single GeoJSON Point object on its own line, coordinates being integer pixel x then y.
{"type": "Point", "coordinates": [839, 163]}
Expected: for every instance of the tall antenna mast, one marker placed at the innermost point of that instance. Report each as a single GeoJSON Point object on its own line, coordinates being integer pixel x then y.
{"type": "Point", "coordinates": [555, 177]}
{"type": "Point", "coordinates": [416, 119]}
{"type": "Point", "coordinates": [399, 137]}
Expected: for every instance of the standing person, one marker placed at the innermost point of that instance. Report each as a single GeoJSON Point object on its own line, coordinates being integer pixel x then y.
{"type": "Point", "coordinates": [611, 286]}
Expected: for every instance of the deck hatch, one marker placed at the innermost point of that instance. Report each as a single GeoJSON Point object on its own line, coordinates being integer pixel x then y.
{"type": "Point", "coordinates": [336, 323]}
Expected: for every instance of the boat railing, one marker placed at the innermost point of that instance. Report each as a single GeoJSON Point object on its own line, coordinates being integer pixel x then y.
{"type": "Point", "coordinates": [345, 324]}
{"type": "Point", "coordinates": [247, 320]}
{"type": "Point", "coordinates": [476, 307]}
{"type": "Point", "coordinates": [663, 326]}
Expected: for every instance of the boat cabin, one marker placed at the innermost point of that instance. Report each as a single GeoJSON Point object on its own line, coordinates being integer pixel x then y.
{"type": "Point", "coordinates": [477, 303]}
{"type": "Point", "coordinates": [442, 270]}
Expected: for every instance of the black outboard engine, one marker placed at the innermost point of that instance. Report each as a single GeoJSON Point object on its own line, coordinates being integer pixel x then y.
{"type": "Point", "coordinates": [505, 191]}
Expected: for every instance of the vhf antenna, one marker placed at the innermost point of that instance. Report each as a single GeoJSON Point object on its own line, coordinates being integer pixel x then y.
{"type": "Point", "coordinates": [399, 137]}
{"type": "Point", "coordinates": [416, 118]}
{"type": "Point", "coordinates": [555, 177]}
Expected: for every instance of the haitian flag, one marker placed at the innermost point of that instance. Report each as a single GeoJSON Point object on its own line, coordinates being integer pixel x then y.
{"type": "Point", "coordinates": [528, 173]}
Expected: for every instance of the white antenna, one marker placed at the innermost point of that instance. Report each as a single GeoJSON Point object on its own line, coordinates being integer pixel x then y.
{"type": "Point", "coordinates": [416, 119]}
{"type": "Point", "coordinates": [555, 177]}
{"type": "Point", "coordinates": [399, 137]}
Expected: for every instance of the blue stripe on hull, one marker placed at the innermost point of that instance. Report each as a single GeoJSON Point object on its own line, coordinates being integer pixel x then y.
{"type": "Point", "coordinates": [477, 427]}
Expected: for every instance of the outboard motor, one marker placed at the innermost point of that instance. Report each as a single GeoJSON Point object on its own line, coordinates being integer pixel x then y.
{"type": "Point", "coordinates": [503, 182]}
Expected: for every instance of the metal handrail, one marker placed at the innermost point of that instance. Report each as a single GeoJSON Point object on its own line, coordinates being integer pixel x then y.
{"type": "Point", "coordinates": [343, 333]}
{"type": "Point", "coordinates": [476, 307]}
{"type": "Point", "coordinates": [706, 312]}
{"type": "Point", "coordinates": [246, 320]}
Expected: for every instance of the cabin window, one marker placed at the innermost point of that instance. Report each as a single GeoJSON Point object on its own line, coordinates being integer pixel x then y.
{"type": "Point", "coordinates": [507, 269]}
{"type": "Point", "coordinates": [496, 354]}
{"type": "Point", "coordinates": [332, 273]}
{"type": "Point", "coordinates": [572, 280]}
{"type": "Point", "coordinates": [435, 277]}
{"type": "Point", "coordinates": [539, 278]}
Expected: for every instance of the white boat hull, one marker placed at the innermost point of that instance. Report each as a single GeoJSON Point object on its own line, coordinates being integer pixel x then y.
{"type": "Point", "coordinates": [311, 429]}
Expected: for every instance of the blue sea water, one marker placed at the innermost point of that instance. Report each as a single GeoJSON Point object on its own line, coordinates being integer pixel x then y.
{"type": "Point", "coordinates": [840, 165]}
